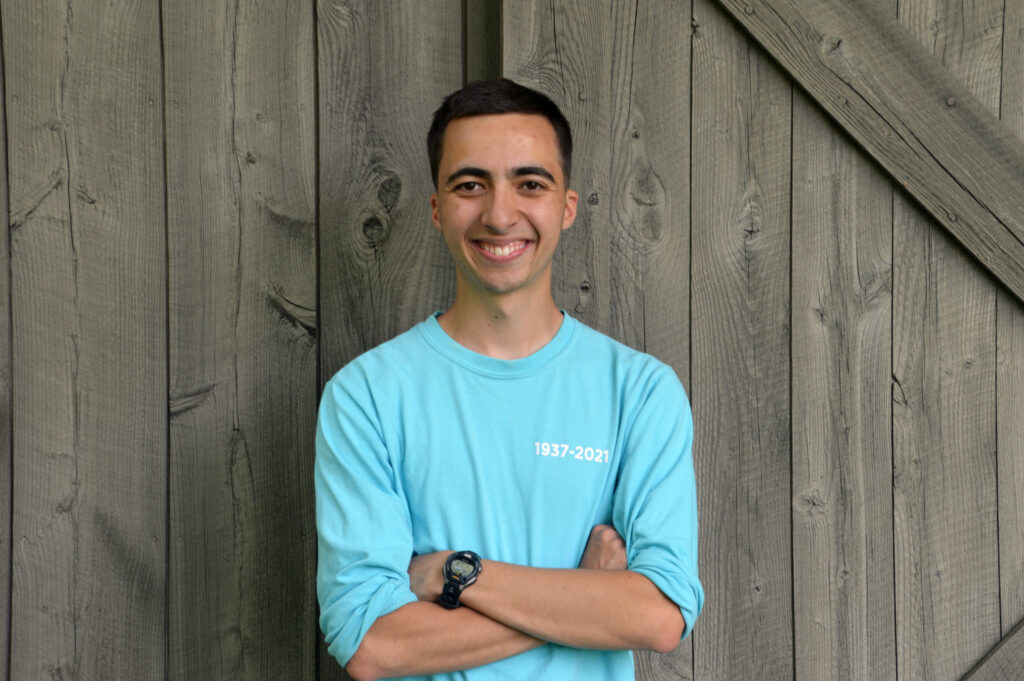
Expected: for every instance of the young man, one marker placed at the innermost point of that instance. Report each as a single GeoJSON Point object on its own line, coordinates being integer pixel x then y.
{"type": "Point", "coordinates": [501, 489]}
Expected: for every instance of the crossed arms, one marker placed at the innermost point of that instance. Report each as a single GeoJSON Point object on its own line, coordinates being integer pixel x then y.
{"type": "Point", "coordinates": [512, 608]}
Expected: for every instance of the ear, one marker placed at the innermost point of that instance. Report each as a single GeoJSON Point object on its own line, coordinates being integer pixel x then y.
{"type": "Point", "coordinates": [434, 217]}
{"type": "Point", "coordinates": [571, 199]}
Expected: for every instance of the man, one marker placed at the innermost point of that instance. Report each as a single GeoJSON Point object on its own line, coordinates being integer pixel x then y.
{"type": "Point", "coordinates": [548, 456]}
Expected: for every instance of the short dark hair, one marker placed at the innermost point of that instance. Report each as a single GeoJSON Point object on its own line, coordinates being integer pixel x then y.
{"type": "Point", "coordinates": [499, 96]}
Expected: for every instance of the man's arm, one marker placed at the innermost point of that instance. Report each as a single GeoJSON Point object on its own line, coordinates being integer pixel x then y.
{"type": "Point", "coordinates": [582, 608]}
{"type": "Point", "coordinates": [423, 637]}
{"type": "Point", "coordinates": [610, 610]}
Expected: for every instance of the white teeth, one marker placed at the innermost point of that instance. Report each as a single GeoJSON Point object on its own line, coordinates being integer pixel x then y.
{"type": "Point", "coordinates": [508, 249]}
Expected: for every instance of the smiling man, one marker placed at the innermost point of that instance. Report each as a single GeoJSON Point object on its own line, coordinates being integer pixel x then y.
{"type": "Point", "coordinates": [501, 491]}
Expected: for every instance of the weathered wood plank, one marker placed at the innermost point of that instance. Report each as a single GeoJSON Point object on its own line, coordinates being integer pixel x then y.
{"type": "Point", "coordinates": [482, 39]}
{"type": "Point", "coordinates": [1010, 361]}
{"type": "Point", "coordinates": [241, 237]}
{"type": "Point", "coordinates": [944, 434]}
{"type": "Point", "coordinates": [88, 268]}
{"type": "Point", "coordinates": [741, 353]}
{"type": "Point", "coordinates": [935, 139]}
{"type": "Point", "coordinates": [1004, 662]}
{"type": "Point", "coordinates": [649, 189]}
{"type": "Point", "coordinates": [383, 267]}
{"type": "Point", "coordinates": [5, 393]}
{"type": "Point", "coordinates": [842, 454]}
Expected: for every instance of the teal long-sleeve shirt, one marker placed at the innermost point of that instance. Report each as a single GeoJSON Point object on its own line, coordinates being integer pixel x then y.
{"type": "Point", "coordinates": [423, 445]}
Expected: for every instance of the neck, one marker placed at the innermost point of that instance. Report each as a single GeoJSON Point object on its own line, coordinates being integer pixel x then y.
{"type": "Point", "coordinates": [502, 326]}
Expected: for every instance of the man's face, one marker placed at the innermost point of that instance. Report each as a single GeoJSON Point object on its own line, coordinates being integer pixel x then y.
{"type": "Point", "coordinates": [501, 202]}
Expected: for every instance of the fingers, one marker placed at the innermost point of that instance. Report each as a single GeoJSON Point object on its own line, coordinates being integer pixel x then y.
{"type": "Point", "coordinates": [605, 550]}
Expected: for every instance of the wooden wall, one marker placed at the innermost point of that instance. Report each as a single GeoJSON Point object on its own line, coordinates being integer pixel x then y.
{"type": "Point", "coordinates": [206, 209]}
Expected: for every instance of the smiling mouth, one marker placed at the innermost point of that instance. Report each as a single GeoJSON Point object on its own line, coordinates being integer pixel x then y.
{"type": "Point", "coordinates": [502, 251]}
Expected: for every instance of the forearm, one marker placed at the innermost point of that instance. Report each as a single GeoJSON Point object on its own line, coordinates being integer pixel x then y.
{"type": "Point", "coordinates": [418, 639]}
{"type": "Point", "coordinates": [603, 609]}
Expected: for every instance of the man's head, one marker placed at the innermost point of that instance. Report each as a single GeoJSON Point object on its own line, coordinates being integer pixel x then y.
{"type": "Point", "coordinates": [501, 96]}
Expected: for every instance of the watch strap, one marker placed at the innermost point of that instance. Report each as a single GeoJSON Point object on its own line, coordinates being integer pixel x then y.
{"type": "Point", "coordinates": [450, 594]}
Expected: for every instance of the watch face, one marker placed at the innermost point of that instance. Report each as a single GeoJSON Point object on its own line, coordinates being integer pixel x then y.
{"type": "Point", "coordinates": [461, 568]}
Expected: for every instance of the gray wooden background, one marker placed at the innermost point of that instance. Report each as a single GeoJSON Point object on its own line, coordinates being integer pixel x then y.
{"type": "Point", "coordinates": [207, 208]}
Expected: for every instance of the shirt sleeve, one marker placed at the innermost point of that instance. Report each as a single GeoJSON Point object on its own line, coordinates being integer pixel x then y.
{"type": "Point", "coordinates": [655, 505]}
{"type": "Point", "coordinates": [363, 523]}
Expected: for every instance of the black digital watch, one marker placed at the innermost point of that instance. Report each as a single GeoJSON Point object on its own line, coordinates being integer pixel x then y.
{"type": "Point", "coordinates": [460, 570]}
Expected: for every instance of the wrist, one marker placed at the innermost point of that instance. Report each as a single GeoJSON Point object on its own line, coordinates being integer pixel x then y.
{"type": "Point", "coordinates": [460, 571]}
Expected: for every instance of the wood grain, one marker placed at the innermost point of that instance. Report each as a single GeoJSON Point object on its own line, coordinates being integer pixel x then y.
{"type": "Point", "coordinates": [383, 70]}
{"type": "Point", "coordinates": [1010, 361]}
{"type": "Point", "coordinates": [937, 140]}
{"type": "Point", "coordinates": [84, 126]}
{"type": "Point", "coordinates": [242, 277]}
{"type": "Point", "coordinates": [842, 456]}
{"type": "Point", "coordinates": [741, 353]}
{"type": "Point", "coordinates": [944, 438]}
{"type": "Point", "coordinates": [6, 499]}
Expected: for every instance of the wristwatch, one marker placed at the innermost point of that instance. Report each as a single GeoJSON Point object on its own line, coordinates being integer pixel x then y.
{"type": "Point", "coordinates": [460, 570]}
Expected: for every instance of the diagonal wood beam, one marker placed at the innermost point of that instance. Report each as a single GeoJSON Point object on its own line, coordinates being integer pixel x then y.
{"type": "Point", "coordinates": [1004, 662]}
{"type": "Point", "coordinates": [908, 113]}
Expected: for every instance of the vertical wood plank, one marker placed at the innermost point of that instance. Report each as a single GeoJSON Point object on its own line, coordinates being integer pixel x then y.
{"type": "Point", "coordinates": [741, 353]}
{"type": "Point", "coordinates": [944, 464]}
{"type": "Point", "coordinates": [842, 455]}
{"type": "Point", "coordinates": [384, 68]}
{"type": "Point", "coordinates": [649, 188]}
{"type": "Point", "coordinates": [383, 266]}
{"type": "Point", "coordinates": [1010, 361]}
{"type": "Point", "coordinates": [482, 32]}
{"type": "Point", "coordinates": [88, 273]}
{"type": "Point", "coordinates": [6, 404]}
{"type": "Point", "coordinates": [241, 237]}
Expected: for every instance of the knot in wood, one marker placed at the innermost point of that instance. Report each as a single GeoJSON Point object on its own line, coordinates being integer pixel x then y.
{"type": "Point", "coordinates": [832, 44]}
{"type": "Point", "coordinates": [583, 297]}
{"type": "Point", "coordinates": [388, 192]}
{"type": "Point", "coordinates": [951, 101]}
{"type": "Point", "coordinates": [374, 230]}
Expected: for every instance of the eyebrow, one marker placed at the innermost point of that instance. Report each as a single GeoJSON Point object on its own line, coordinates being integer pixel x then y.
{"type": "Point", "coordinates": [470, 171]}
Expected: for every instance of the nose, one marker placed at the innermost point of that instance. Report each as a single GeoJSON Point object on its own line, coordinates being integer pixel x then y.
{"type": "Point", "coordinates": [501, 211]}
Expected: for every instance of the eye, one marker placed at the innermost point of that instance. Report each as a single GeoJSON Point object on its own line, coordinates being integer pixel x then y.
{"type": "Point", "coordinates": [470, 186]}
{"type": "Point", "coordinates": [532, 185]}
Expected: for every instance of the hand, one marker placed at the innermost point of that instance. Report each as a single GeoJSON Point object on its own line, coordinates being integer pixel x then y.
{"type": "Point", "coordinates": [425, 575]}
{"type": "Point", "coordinates": [605, 550]}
